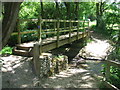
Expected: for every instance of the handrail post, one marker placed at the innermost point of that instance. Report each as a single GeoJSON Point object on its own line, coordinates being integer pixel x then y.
{"type": "Point", "coordinates": [55, 27]}
{"type": "Point", "coordinates": [84, 26]}
{"type": "Point", "coordinates": [107, 70]}
{"type": "Point", "coordinates": [19, 34]}
{"type": "Point", "coordinates": [88, 24]}
{"type": "Point", "coordinates": [78, 30]}
{"type": "Point", "coordinates": [64, 26]}
{"type": "Point", "coordinates": [36, 61]}
{"type": "Point", "coordinates": [58, 24]}
{"type": "Point", "coordinates": [40, 33]}
{"type": "Point", "coordinates": [88, 33]}
{"type": "Point", "coordinates": [70, 32]}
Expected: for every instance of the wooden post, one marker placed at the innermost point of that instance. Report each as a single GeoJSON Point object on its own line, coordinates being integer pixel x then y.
{"type": "Point", "coordinates": [70, 31]}
{"type": "Point", "coordinates": [107, 71]}
{"type": "Point", "coordinates": [64, 26]}
{"type": "Point", "coordinates": [40, 34]}
{"type": "Point", "coordinates": [55, 27]}
{"type": "Point", "coordinates": [78, 30]}
{"type": "Point", "coordinates": [58, 24]}
{"type": "Point", "coordinates": [40, 29]}
{"type": "Point", "coordinates": [88, 24]}
{"type": "Point", "coordinates": [84, 26]}
{"type": "Point", "coordinates": [36, 61]}
{"type": "Point", "coordinates": [88, 33]}
{"type": "Point", "coordinates": [18, 28]}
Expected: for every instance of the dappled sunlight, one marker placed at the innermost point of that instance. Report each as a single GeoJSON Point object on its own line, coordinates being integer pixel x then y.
{"type": "Point", "coordinates": [97, 49]}
{"type": "Point", "coordinates": [75, 78]}
{"type": "Point", "coordinates": [18, 73]}
{"type": "Point", "coordinates": [11, 62]}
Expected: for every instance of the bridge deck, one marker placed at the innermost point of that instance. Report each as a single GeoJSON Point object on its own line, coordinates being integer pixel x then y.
{"type": "Point", "coordinates": [48, 44]}
{"type": "Point", "coordinates": [53, 39]}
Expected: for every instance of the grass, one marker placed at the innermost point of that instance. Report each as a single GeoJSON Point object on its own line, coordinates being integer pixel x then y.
{"type": "Point", "coordinates": [6, 50]}
{"type": "Point", "coordinates": [89, 40]}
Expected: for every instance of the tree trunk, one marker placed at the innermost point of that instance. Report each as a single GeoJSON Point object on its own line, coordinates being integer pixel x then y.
{"type": "Point", "coordinates": [11, 10]}
{"type": "Point", "coordinates": [68, 14]}
{"type": "Point", "coordinates": [77, 11]}
{"type": "Point", "coordinates": [57, 11]}
{"type": "Point", "coordinates": [99, 16]}
{"type": "Point", "coordinates": [42, 11]}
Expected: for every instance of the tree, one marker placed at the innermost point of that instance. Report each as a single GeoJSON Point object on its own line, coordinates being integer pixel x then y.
{"type": "Point", "coordinates": [99, 15]}
{"type": "Point", "coordinates": [11, 10]}
{"type": "Point", "coordinates": [68, 13]}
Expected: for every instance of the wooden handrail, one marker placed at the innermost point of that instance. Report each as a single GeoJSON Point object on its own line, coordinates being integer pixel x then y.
{"type": "Point", "coordinates": [107, 70]}
{"type": "Point", "coordinates": [61, 30]}
{"type": "Point", "coordinates": [53, 20]}
{"type": "Point", "coordinates": [56, 29]}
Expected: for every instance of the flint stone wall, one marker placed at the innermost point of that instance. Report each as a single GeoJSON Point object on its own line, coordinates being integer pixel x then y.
{"type": "Point", "coordinates": [50, 64]}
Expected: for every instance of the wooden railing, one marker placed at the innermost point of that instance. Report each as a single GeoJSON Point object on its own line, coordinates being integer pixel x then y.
{"type": "Point", "coordinates": [107, 72]}
{"type": "Point", "coordinates": [67, 27]}
{"type": "Point", "coordinates": [38, 48]}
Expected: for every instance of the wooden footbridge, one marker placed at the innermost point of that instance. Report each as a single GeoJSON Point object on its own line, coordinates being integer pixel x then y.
{"type": "Point", "coordinates": [64, 32]}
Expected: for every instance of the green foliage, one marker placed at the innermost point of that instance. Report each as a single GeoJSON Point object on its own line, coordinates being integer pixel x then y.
{"type": "Point", "coordinates": [87, 10]}
{"type": "Point", "coordinates": [29, 36]}
{"type": "Point", "coordinates": [29, 10]}
{"type": "Point", "coordinates": [89, 40]}
{"type": "Point", "coordinates": [24, 37]}
{"type": "Point", "coordinates": [114, 75]}
{"type": "Point", "coordinates": [112, 17]}
{"type": "Point", "coordinates": [6, 50]}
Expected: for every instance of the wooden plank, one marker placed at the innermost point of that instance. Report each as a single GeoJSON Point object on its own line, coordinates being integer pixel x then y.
{"type": "Point", "coordinates": [63, 42]}
{"type": "Point", "coordinates": [49, 46]}
{"type": "Point", "coordinates": [25, 32]}
{"type": "Point", "coordinates": [28, 19]}
{"type": "Point", "coordinates": [52, 45]}
{"type": "Point", "coordinates": [110, 86]}
{"type": "Point", "coordinates": [50, 20]}
{"type": "Point", "coordinates": [48, 32]}
{"type": "Point", "coordinates": [65, 31]}
{"type": "Point", "coordinates": [113, 63]}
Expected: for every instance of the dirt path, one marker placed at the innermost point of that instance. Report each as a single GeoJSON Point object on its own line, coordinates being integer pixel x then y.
{"type": "Point", "coordinates": [17, 71]}
{"type": "Point", "coordinates": [21, 75]}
